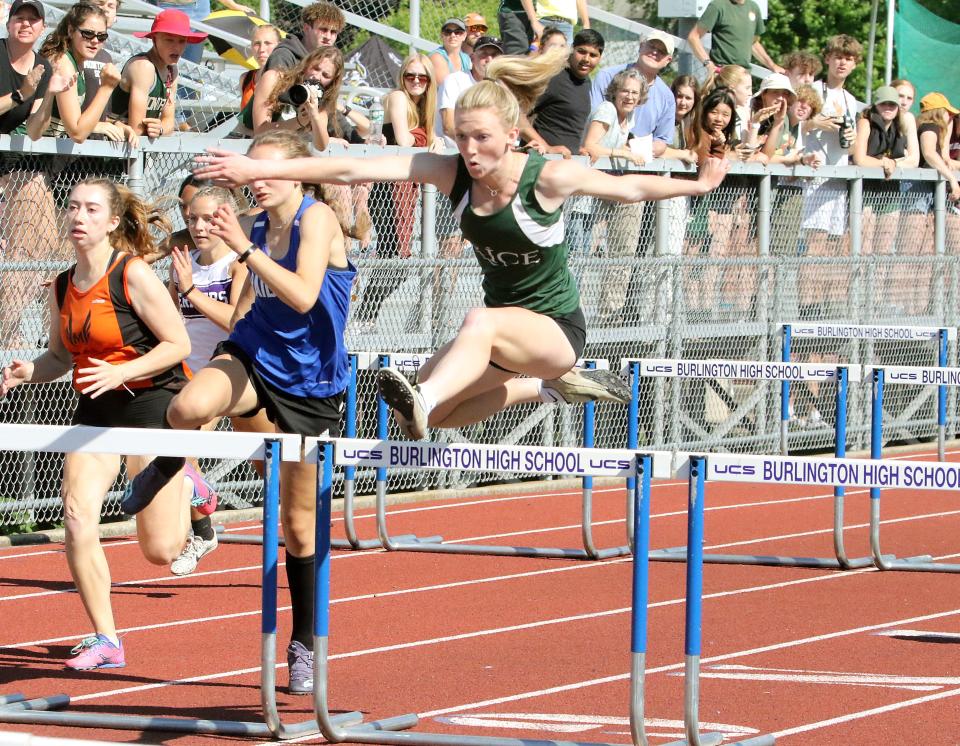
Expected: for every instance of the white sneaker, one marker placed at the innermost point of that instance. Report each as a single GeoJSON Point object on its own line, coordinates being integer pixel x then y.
{"type": "Point", "coordinates": [406, 402]}
{"type": "Point", "coordinates": [583, 385]}
{"type": "Point", "coordinates": [195, 549]}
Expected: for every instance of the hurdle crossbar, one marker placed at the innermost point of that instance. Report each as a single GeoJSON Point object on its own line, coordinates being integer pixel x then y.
{"type": "Point", "coordinates": [440, 456]}
{"type": "Point", "coordinates": [411, 363]}
{"type": "Point", "coordinates": [272, 448]}
{"type": "Point", "coordinates": [928, 477]}
{"type": "Point", "coordinates": [694, 616]}
{"type": "Point", "coordinates": [756, 371]}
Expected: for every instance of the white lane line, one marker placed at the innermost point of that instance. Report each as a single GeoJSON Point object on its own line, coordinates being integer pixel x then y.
{"type": "Point", "coordinates": [744, 542]}
{"type": "Point", "coordinates": [839, 678]}
{"type": "Point", "coordinates": [347, 599]}
{"type": "Point", "coordinates": [865, 713]}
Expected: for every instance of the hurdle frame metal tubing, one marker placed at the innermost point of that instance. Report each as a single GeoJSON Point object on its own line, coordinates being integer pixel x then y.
{"type": "Point", "coordinates": [921, 563]}
{"type": "Point", "coordinates": [15, 709]}
{"type": "Point", "coordinates": [434, 544]}
{"type": "Point", "coordinates": [840, 451]}
{"type": "Point", "coordinates": [944, 334]}
{"type": "Point", "coordinates": [839, 562]}
{"type": "Point", "coordinates": [381, 731]}
{"type": "Point", "coordinates": [694, 616]}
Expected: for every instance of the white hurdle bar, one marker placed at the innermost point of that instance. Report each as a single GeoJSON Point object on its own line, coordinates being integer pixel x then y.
{"type": "Point", "coordinates": [757, 371]}
{"type": "Point", "coordinates": [271, 448]}
{"type": "Point", "coordinates": [559, 461]}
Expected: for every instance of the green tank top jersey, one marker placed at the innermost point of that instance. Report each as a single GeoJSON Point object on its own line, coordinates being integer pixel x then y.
{"type": "Point", "coordinates": [156, 99]}
{"type": "Point", "coordinates": [522, 248]}
{"type": "Point", "coordinates": [56, 128]}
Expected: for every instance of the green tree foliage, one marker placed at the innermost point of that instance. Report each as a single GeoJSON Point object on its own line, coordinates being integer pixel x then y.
{"type": "Point", "coordinates": [808, 25]}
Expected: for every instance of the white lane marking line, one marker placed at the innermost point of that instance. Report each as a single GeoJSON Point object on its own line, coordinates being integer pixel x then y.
{"type": "Point", "coordinates": [800, 534]}
{"type": "Point", "coordinates": [677, 666]}
{"type": "Point", "coordinates": [865, 714]}
{"type": "Point", "coordinates": [554, 621]}
{"type": "Point", "coordinates": [581, 722]}
{"type": "Point", "coordinates": [893, 681]}
{"type": "Point", "coordinates": [917, 633]}
{"type": "Point", "coordinates": [346, 599]}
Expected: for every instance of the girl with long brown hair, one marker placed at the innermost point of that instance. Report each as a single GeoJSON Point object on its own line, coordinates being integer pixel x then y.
{"type": "Point", "coordinates": [114, 325]}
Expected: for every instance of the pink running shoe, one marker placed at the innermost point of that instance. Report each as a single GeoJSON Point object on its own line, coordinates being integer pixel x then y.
{"type": "Point", "coordinates": [96, 652]}
{"type": "Point", "coordinates": [204, 496]}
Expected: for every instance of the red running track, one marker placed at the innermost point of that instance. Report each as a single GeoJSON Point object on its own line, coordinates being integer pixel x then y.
{"type": "Point", "coordinates": [538, 648]}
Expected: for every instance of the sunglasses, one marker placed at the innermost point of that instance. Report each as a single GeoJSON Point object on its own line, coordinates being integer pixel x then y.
{"type": "Point", "coordinates": [89, 35]}
{"type": "Point", "coordinates": [481, 29]}
{"type": "Point", "coordinates": [416, 77]}
{"type": "Point", "coordinates": [452, 31]}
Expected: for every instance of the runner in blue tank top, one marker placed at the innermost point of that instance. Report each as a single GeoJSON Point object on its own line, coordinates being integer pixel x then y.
{"type": "Point", "coordinates": [286, 355]}
{"type": "Point", "coordinates": [521, 346]}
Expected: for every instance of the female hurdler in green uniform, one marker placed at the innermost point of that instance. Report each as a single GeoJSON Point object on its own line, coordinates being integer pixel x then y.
{"type": "Point", "coordinates": [510, 208]}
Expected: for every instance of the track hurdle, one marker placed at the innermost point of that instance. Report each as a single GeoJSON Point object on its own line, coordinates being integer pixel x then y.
{"type": "Point", "coordinates": [562, 461]}
{"type": "Point", "coordinates": [271, 449]}
{"type": "Point", "coordinates": [694, 615]}
{"type": "Point", "coordinates": [758, 371]}
{"type": "Point", "coordinates": [943, 476]}
{"type": "Point", "coordinates": [435, 544]}
{"type": "Point", "coordinates": [941, 336]}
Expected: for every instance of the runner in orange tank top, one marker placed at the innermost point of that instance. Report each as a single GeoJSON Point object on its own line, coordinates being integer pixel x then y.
{"type": "Point", "coordinates": [113, 324]}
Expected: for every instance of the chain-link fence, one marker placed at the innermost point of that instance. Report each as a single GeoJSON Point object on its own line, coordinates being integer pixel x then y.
{"type": "Point", "coordinates": [707, 278]}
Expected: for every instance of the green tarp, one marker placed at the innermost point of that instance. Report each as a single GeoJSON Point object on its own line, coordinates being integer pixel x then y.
{"type": "Point", "coordinates": [928, 51]}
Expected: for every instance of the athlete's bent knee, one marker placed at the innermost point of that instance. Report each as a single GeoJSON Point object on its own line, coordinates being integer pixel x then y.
{"type": "Point", "coordinates": [158, 551]}
{"type": "Point", "coordinates": [189, 410]}
{"type": "Point", "coordinates": [479, 322]}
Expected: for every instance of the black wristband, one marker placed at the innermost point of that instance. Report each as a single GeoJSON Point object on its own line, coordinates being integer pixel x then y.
{"type": "Point", "coordinates": [189, 290]}
{"type": "Point", "coordinates": [246, 254]}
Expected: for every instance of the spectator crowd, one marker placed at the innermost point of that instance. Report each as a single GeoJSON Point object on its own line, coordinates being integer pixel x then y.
{"type": "Point", "coordinates": [65, 84]}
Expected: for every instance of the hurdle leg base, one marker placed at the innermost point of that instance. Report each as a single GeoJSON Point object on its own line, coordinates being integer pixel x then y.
{"type": "Point", "coordinates": [397, 722]}
{"type": "Point", "coordinates": [505, 551]}
{"type": "Point", "coordinates": [9, 699]}
{"type": "Point", "coordinates": [679, 554]}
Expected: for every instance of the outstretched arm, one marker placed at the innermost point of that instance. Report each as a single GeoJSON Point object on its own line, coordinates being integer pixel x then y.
{"type": "Point", "coordinates": [223, 166]}
{"type": "Point", "coordinates": [562, 179]}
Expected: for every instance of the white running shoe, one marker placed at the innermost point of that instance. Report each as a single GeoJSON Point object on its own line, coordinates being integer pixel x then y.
{"type": "Point", "coordinates": [196, 548]}
{"type": "Point", "coordinates": [406, 402]}
{"type": "Point", "coordinates": [583, 385]}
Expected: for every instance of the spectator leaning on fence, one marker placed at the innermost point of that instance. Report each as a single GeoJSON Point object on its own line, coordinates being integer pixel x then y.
{"type": "Point", "coordinates": [114, 325]}
{"type": "Point", "coordinates": [686, 95]}
{"type": "Point", "coordinates": [476, 27]}
{"type": "Point", "coordinates": [561, 113]}
{"type": "Point", "coordinates": [79, 35]}
{"type": "Point", "coordinates": [607, 136]}
{"type": "Point", "coordinates": [486, 49]}
{"type": "Point", "coordinates": [322, 23]}
{"type": "Point", "coordinates": [408, 121]}
{"type": "Point", "coordinates": [656, 116]}
{"type": "Point", "coordinates": [735, 27]}
{"type": "Point", "coordinates": [24, 74]}
{"type": "Point", "coordinates": [449, 57]}
{"type": "Point", "coordinates": [92, 68]}
{"type": "Point", "coordinates": [264, 40]}
{"type": "Point", "coordinates": [145, 98]}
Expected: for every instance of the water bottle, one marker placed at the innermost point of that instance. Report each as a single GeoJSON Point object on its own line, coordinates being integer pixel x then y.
{"type": "Point", "coordinates": [847, 122]}
{"type": "Point", "coordinates": [376, 123]}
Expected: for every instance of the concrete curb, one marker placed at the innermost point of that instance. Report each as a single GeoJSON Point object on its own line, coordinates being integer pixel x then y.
{"type": "Point", "coordinates": [226, 517]}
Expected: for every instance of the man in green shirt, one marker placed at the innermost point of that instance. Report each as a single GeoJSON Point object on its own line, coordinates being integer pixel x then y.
{"type": "Point", "coordinates": [736, 26]}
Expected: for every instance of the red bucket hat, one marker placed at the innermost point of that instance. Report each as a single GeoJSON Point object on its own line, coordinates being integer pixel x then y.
{"type": "Point", "coordinates": [172, 21]}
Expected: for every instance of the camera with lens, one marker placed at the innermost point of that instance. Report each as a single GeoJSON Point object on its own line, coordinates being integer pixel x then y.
{"type": "Point", "coordinates": [298, 93]}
